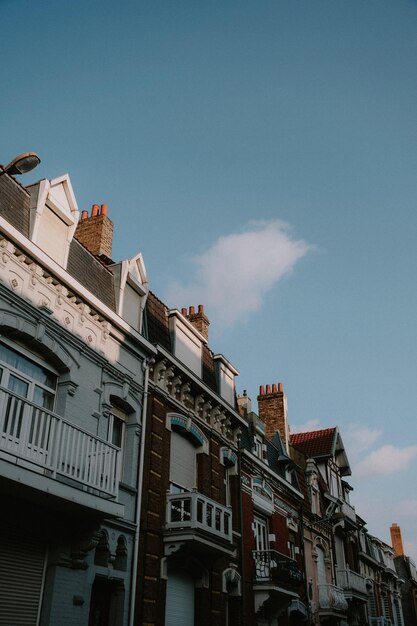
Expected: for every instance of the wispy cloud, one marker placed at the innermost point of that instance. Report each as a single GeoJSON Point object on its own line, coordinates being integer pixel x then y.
{"type": "Point", "coordinates": [358, 437]}
{"type": "Point", "coordinates": [386, 460]}
{"type": "Point", "coordinates": [306, 427]}
{"type": "Point", "coordinates": [234, 274]}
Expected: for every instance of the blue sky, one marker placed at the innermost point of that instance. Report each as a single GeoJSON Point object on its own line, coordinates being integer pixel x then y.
{"type": "Point", "coordinates": [262, 156]}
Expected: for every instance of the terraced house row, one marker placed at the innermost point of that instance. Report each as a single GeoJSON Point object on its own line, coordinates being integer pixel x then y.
{"type": "Point", "coordinates": [137, 486]}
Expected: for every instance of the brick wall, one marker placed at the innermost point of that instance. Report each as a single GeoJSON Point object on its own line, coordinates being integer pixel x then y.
{"type": "Point", "coordinates": [272, 411]}
{"type": "Point", "coordinates": [96, 232]}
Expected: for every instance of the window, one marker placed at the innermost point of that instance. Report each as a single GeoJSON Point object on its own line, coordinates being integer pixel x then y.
{"type": "Point", "coordinates": [260, 525]}
{"type": "Point", "coordinates": [291, 546]}
{"type": "Point", "coordinates": [258, 451]}
{"type": "Point", "coordinates": [182, 473]}
{"type": "Point", "coordinates": [27, 378]}
{"type": "Point", "coordinates": [117, 433]}
{"type": "Point", "coordinates": [262, 556]}
{"type": "Point", "coordinates": [27, 387]}
{"type": "Point", "coordinates": [117, 424]}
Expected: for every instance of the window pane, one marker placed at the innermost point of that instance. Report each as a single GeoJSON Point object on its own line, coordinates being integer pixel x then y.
{"type": "Point", "coordinates": [117, 433]}
{"type": "Point", "coordinates": [18, 385]}
{"type": "Point", "coordinates": [26, 366]}
{"type": "Point", "coordinates": [43, 398]}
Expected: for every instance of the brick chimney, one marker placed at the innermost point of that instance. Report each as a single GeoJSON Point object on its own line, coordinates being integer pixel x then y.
{"type": "Point", "coordinates": [199, 320]}
{"type": "Point", "coordinates": [95, 232]}
{"type": "Point", "coordinates": [272, 410]}
{"type": "Point", "coordinates": [397, 541]}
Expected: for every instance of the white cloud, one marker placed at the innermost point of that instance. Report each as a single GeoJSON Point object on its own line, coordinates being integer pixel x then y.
{"type": "Point", "coordinates": [234, 274]}
{"type": "Point", "coordinates": [306, 427]}
{"type": "Point", "coordinates": [386, 460]}
{"type": "Point", "coordinates": [357, 437]}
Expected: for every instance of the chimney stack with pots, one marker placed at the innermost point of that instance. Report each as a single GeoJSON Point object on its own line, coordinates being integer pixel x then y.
{"type": "Point", "coordinates": [95, 232]}
{"type": "Point", "coordinates": [273, 411]}
{"type": "Point", "coordinates": [198, 319]}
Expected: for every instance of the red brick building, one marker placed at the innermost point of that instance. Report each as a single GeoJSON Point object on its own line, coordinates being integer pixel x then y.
{"type": "Point", "coordinates": [189, 568]}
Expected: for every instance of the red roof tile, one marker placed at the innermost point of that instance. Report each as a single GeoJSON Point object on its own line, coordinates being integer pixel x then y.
{"type": "Point", "coordinates": [315, 443]}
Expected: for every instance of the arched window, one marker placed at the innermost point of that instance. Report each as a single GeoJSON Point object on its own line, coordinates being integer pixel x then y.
{"type": "Point", "coordinates": [27, 395]}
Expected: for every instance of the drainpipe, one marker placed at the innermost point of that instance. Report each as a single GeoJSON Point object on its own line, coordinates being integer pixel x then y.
{"type": "Point", "coordinates": [242, 553]}
{"type": "Point", "coordinates": [145, 367]}
{"type": "Point", "coordinates": [301, 511]}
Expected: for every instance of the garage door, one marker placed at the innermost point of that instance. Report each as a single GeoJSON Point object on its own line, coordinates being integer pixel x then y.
{"type": "Point", "coordinates": [22, 562]}
{"type": "Point", "coordinates": [179, 609]}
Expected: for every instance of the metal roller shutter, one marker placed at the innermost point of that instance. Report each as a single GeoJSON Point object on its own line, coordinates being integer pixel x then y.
{"type": "Point", "coordinates": [179, 609]}
{"type": "Point", "coordinates": [183, 462]}
{"type": "Point", "coordinates": [22, 562]}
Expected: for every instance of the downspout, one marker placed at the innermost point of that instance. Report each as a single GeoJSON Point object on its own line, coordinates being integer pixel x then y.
{"type": "Point", "coordinates": [242, 554]}
{"type": "Point", "coordinates": [138, 510]}
{"type": "Point", "coordinates": [301, 513]}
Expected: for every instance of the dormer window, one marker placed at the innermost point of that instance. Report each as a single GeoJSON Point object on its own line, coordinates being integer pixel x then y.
{"type": "Point", "coordinates": [53, 217]}
{"type": "Point", "coordinates": [258, 448]}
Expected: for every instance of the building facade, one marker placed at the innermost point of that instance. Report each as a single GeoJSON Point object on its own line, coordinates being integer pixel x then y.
{"type": "Point", "coordinates": [189, 567]}
{"type": "Point", "coordinates": [73, 368]}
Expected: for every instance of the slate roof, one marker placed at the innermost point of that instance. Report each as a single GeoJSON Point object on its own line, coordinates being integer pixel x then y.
{"type": "Point", "coordinates": [157, 321]}
{"type": "Point", "coordinates": [276, 453]}
{"type": "Point", "coordinates": [318, 443]}
{"type": "Point", "coordinates": [91, 273]}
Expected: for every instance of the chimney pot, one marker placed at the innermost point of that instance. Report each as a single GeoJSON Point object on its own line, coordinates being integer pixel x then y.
{"type": "Point", "coordinates": [261, 390]}
{"type": "Point", "coordinates": [274, 388]}
{"type": "Point", "coordinates": [192, 310]}
{"type": "Point", "coordinates": [94, 210]}
{"type": "Point", "coordinates": [104, 209]}
{"type": "Point", "coordinates": [268, 389]}
{"type": "Point", "coordinates": [84, 215]}
{"type": "Point", "coordinates": [201, 308]}
{"type": "Point", "coordinates": [280, 387]}
{"type": "Point", "coordinates": [184, 311]}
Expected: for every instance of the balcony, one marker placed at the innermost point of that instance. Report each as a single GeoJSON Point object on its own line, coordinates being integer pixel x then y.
{"type": "Point", "coordinates": [192, 517]}
{"type": "Point", "coordinates": [270, 565]}
{"type": "Point", "coordinates": [332, 598]}
{"type": "Point", "coordinates": [278, 580]}
{"type": "Point", "coordinates": [39, 444]}
{"type": "Point", "coordinates": [353, 584]}
{"type": "Point", "coordinates": [380, 621]}
{"type": "Point", "coordinates": [349, 511]}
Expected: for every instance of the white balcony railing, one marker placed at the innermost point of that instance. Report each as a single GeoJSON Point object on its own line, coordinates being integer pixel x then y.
{"type": "Point", "coordinates": [351, 581]}
{"type": "Point", "coordinates": [49, 442]}
{"type": "Point", "coordinates": [195, 511]}
{"type": "Point", "coordinates": [380, 621]}
{"type": "Point", "coordinates": [332, 597]}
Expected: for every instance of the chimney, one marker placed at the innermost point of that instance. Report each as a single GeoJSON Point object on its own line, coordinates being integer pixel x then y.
{"type": "Point", "coordinates": [199, 320]}
{"type": "Point", "coordinates": [272, 409]}
{"type": "Point", "coordinates": [397, 541]}
{"type": "Point", "coordinates": [95, 232]}
{"type": "Point", "coordinates": [244, 404]}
